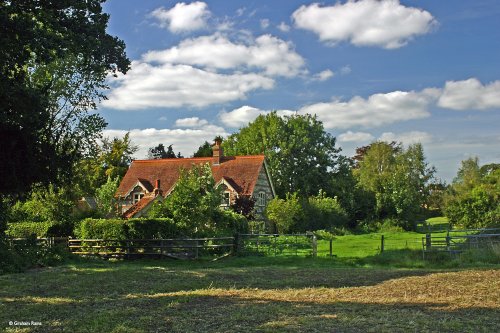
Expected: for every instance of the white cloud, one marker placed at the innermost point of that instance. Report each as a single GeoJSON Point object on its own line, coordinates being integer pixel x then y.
{"type": "Point", "coordinates": [283, 27]}
{"type": "Point", "coordinates": [264, 23]}
{"type": "Point", "coordinates": [385, 23]}
{"type": "Point", "coordinates": [186, 141]}
{"type": "Point", "coordinates": [376, 110]}
{"type": "Point", "coordinates": [407, 137]}
{"type": "Point", "coordinates": [243, 115]}
{"type": "Point", "coordinates": [345, 70]}
{"type": "Point", "coordinates": [271, 54]}
{"type": "Point", "coordinates": [166, 85]}
{"type": "Point", "coordinates": [470, 94]}
{"type": "Point", "coordinates": [191, 122]}
{"type": "Point", "coordinates": [355, 137]}
{"type": "Point", "coordinates": [240, 117]}
{"type": "Point", "coordinates": [162, 118]}
{"type": "Point", "coordinates": [323, 75]}
{"type": "Point", "coordinates": [183, 17]}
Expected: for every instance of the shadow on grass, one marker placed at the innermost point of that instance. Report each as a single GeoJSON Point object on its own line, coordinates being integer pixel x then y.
{"type": "Point", "coordinates": [244, 313]}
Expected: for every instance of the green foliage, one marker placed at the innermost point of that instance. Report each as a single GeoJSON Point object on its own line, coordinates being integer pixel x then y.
{"type": "Point", "coordinates": [194, 202]}
{"type": "Point", "coordinates": [302, 156]}
{"type": "Point", "coordinates": [285, 214]}
{"type": "Point", "coordinates": [398, 178]}
{"type": "Point", "coordinates": [26, 229]}
{"type": "Point", "coordinates": [141, 228]}
{"type": "Point", "coordinates": [473, 198]}
{"type": "Point", "coordinates": [54, 59]}
{"type": "Point", "coordinates": [159, 152]}
{"type": "Point", "coordinates": [205, 150]}
{"type": "Point", "coordinates": [106, 203]}
{"type": "Point", "coordinates": [45, 204]}
{"type": "Point", "coordinates": [322, 212]}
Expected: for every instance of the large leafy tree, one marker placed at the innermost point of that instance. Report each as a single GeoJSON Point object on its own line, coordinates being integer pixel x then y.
{"type": "Point", "coordinates": [54, 58]}
{"type": "Point", "coordinates": [472, 200]}
{"type": "Point", "coordinates": [205, 150]}
{"type": "Point", "coordinates": [398, 178]}
{"type": "Point", "coordinates": [302, 156]}
{"type": "Point", "coordinates": [159, 152]}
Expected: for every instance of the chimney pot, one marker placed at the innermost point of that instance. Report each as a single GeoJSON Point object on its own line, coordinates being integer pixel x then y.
{"type": "Point", "coordinates": [217, 152]}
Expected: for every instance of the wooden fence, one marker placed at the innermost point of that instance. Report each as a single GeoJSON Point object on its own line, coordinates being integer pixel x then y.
{"type": "Point", "coordinates": [277, 244]}
{"type": "Point", "coordinates": [140, 248]}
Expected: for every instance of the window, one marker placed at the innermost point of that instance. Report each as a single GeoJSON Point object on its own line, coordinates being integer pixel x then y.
{"type": "Point", "coordinates": [137, 197]}
{"type": "Point", "coordinates": [261, 199]}
{"type": "Point", "coordinates": [226, 200]}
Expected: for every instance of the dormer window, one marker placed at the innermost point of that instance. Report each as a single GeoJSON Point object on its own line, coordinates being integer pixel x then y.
{"type": "Point", "coordinates": [226, 199]}
{"type": "Point", "coordinates": [137, 197]}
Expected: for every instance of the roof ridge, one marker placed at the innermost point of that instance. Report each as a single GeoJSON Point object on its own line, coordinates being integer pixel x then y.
{"type": "Point", "coordinates": [194, 158]}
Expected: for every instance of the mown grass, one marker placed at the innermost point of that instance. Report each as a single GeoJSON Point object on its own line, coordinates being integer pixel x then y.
{"type": "Point", "coordinates": [249, 295]}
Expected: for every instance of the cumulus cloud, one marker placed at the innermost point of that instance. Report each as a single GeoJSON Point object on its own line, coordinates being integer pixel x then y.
{"type": "Point", "coordinates": [376, 110]}
{"type": "Point", "coordinates": [323, 75]}
{"type": "Point", "coordinates": [166, 85]}
{"type": "Point", "coordinates": [186, 141]}
{"type": "Point", "coordinates": [191, 122]}
{"type": "Point", "coordinates": [183, 17]}
{"type": "Point", "coordinates": [243, 115]}
{"type": "Point", "coordinates": [470, 94]}
{"type": "Point", "coordinates": [355, 137]}
{"type": "Point", "coordinates": [264, 23]}
{"type": "Point", "coordinates": [407, 137]}
{"type": "Point", "coordinates": [268, 53]}
{"type": "Point", "coordinates": [385, 23]}
{"type": "Point", "coordinates": [283, 27]}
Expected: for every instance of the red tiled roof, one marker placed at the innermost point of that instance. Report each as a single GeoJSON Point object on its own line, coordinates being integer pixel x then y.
{"type": "Point", "coordinates": [241, 171]}
{"type": "Point", "coordinates": [138, 206]}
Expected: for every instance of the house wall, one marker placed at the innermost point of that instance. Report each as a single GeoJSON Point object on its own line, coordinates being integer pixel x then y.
{"type": "Point", "coordinates": [262, 186]}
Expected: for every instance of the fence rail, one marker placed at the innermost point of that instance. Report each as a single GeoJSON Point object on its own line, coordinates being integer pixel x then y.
{"type": "Point", "coordinates": [277, 244]}
{"type": "Point", "coordinates": [138, 248]}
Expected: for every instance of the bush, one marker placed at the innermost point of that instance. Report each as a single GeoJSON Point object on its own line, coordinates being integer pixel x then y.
{"type": "Point", "coordinates": [322, 212]}
{"type": "Point", "coordinates": [26, 229]}
{"type": "Point", "coordinates": [141, 228]}
{"type": "Point", "coordinates": [285, 215]}
{"type": "Point", "coordinates": [228, 223]}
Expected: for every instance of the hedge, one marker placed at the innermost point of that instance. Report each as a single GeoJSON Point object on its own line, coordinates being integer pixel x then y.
{"type": "Point", "coordinates": [26, 229]}
{"type": "Point", "coordinates": [140, 228]}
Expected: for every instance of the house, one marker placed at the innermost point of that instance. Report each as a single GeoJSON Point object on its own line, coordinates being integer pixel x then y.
{"type": "Point", "coordinates": [149, 180]}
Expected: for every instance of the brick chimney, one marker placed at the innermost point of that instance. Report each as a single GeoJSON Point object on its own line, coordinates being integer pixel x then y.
{"type": "Point", "coordinates": [157, 190]}
{"type": "Point", "coordinates": [217, 152]}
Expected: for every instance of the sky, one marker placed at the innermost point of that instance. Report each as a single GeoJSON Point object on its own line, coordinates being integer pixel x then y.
{"type": "Point", "coordinates": [411, 71]}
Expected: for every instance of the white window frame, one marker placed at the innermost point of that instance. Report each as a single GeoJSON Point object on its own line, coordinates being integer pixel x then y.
{"type": "Point", "coordinates": [136, 197]}
{"type": "Point", "coordinates": [226, 199]}
{"type": "Point", "coordinates": [261, 199]}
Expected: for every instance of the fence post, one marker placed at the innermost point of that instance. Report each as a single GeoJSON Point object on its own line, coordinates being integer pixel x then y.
{"type": "Point", "coordinates": [382, 243]}
{"type": "Point", "coordinates": [428, 241]}
{"type": "Point", "coordinates": [315, 246]}
{"type": "Point", "coordinates": [331, 247]}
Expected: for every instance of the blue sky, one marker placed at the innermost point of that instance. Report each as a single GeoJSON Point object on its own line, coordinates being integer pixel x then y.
{"type": "Point", "coordinates": [410, 71]}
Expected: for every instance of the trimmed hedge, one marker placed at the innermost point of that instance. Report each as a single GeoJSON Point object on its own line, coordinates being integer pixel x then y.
{"type": "Point", "coordinates": [26, 229]}
{"type": "Point", "coordinates": [140, 228]}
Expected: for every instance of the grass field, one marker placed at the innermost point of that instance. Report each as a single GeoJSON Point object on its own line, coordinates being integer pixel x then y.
{"type": "Point", "coordinates": [249, 295]}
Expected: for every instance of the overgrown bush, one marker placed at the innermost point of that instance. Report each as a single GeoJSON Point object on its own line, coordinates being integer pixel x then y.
{"type": "Point", "coordinates": [26, 229]}
{"type": "Point", "coordinates": [285, 214]}
{"type": "Point", "coordinates": [321, 212]}
{"type": "Point", "coordinates": [140, 228]}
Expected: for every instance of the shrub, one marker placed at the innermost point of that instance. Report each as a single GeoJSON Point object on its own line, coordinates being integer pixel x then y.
{"type": "Point", "coordinates": [228, 223]}
{"type": "Point", "coordinates": [141, 228]}
{"type": "Point", "coordinates": [322, 212]}
{"type": "Point", "coordinates": [26, 229]}
{"type": "Point", "coordinates": [286, 214]}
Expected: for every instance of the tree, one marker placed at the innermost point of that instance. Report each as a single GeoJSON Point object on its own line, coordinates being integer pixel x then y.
{"type": "Point", "coordinates": [244, 205]}
{"type": "Point", "coordinates": [159, 152]}
{"type": "Point", "coordinates": [205, 150]}
{"type": "Point", "coordinates": [398, 178]}
{"type": "Point", "coordinates": [472, 199]}
{"type": "Point", "coordinates": [54, 58]}
{"type": "Point", "coordinates": [111, 160]}
{"type": "Point", "coordinates": [105, 197]}
{"type": "Point", "coordinates": [194, 202]}
{"type": "Point", "coordinates": [302, 156]}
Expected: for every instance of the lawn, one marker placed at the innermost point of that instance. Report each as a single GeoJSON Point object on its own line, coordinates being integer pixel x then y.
{"type": "Point", "coordinates": [249, 295]}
